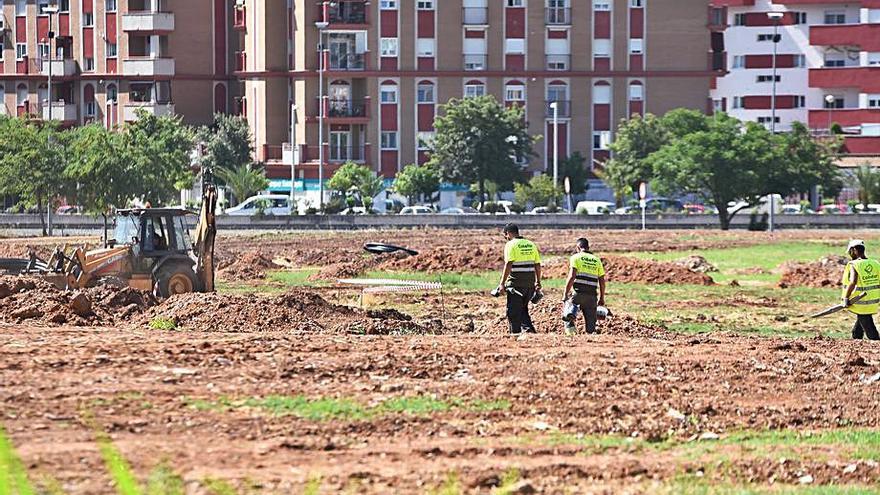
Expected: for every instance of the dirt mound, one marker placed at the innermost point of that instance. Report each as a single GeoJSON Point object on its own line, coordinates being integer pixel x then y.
{"type": "Point", "coordinates": [826, 272]}
{"type": "Point", "coordinates": [296, 312]}
{"type": "Point", "coordinates": [696, 263]}
{"type": "Point", "coordinates": [622, 269]}
{"type": "Point", "coordinates": [338, 271]}
{"type": "Point", "coordinates": [449, 260]}
{"type": "Point", "coordinates": [37, 301]}
{"type": "Point", "coordinates": [547, 319]}
{"type": "Point", "coordinates": [252, 265]}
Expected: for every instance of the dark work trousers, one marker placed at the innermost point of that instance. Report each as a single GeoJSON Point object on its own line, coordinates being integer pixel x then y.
{"type": "Point", "coordinates": [588, 303]}
{"type": "Point", "coordinates": [518, 310]}
{"type": "Point", "coordinates": [865, 326]}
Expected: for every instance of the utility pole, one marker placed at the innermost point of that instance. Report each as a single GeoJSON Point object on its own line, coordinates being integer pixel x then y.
{"type": "Point", "coordinates": [322, 26]}
{"type": "Point", "coordinates": [775, 17]}
{"type": "Point", "coordinates": [555, 107]}
{"type": "Point", "coordinates": [51, 10]}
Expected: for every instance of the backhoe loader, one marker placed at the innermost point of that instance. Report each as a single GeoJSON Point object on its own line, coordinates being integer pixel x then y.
{"type": "Point", "coordinates": [151, 250]}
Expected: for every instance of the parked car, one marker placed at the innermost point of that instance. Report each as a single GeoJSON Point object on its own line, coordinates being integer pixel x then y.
{"type": "Point", "coordinates": [417, 210]}
{"type": "Point", "coordinates": [270, 204]}
{"type": "Point", "coordinates": [695, 209]}
{"type": "Point", "coordinates": [834, 210]}
{"type": "Point", "coordinates": [796, 209]}
{"type": "Point", "coordinates": [872, 209]}
{"type": "Point", "coordinates": [652, 205]}
{"type": "Point", "coordinates": [594, 207]}
{"type": "Point", "coordinates": [545, 210]}
{"type": "Point", "coordinates": [354, 210]}
{"type": "Point", "coordinates": [69, 210]}
{"type": "Point", "coordinates": [464, 210]}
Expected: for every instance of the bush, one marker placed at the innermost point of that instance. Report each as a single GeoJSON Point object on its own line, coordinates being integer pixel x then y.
{"type": "Point", "coordinates": [334, 206]}
{"type": "Point", "coordinates": [517, 208]}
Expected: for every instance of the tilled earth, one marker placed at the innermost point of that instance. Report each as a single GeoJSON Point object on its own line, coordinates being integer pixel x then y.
{"type": "Point", "coordinates": [140, 386]}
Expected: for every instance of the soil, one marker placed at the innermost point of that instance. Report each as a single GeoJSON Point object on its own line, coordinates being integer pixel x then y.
{"type": "Point", "coordinates": [251, 265]}
{"type": "Point", "coordinates": [826, 272]}
{"type": "Point", "coordinates": [697, 263]}
{"type": "Point", "coordinates": [623, 269]}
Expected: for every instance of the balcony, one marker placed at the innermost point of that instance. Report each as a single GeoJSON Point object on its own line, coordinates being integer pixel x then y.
{"type": "Point", "coordinates": [558, 62]}
{"type": "Point", "coordinates": [563, 107]}
{"type": "Point", "coordinates": [148, 22]}
{"type": "Point", "coordinates": [334, 154]}
{"type": "Point", "coordinates": [557, 16]}
{"type": "Point", "coordinates": [866, 79]}
{"type": "Point", "coordinates": [475, 61]}
{"type": "Point", "coordinates": [239, 18]}
{"type": "Point", "coordinates": [347, 109]}
{"type": "Point", "coordinates": [65, 112]}
{"type": "Point", "coordinates": [147, 66]}
{"type": "Point", "coordinates": [60, 68]}
{"type": "Point", "coordinates": [347, 61]}
{"type": "Point", "coordinates": [862, 145]}
{"type": "Point", "coordinates": [846, 117]}
{"type": "Point", "coordinates": [475, 16]}
{"type": "Point", "coordinates": [866, 36]}
{"type": "Point", "coordinates": [348, 13]}
{"type": "Point", "coordinates": [157, 109]}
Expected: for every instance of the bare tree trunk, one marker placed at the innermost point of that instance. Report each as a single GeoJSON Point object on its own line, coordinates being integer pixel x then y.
{"type": "Point", "coordinates": [41, 213]}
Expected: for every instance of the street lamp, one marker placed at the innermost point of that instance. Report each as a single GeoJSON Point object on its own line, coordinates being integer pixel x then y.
{"type": "Point", "coordinates": [555, 107]}
{"type": "Point", "coordinates": [51, 10]}
{"type": "Point", "coordinates": [775, 17]}
{"type": "Point", "coordinates": [829, 104]}
{"type": "Point", "coordinates": [322, 26]}
{"type": "Point", "coordinates": [293, 159]}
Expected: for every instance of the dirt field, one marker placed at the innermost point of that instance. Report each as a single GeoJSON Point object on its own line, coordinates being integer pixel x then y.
{"type": "Point", "coordinates": [273, 388]}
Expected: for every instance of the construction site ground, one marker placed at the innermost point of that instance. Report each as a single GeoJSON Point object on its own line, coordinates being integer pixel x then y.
{"type": "Point", "coordinates": [709, 379]}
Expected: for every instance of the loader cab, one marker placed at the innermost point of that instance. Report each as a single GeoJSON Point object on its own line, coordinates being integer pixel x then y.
{"type": "Point", "coordinates": [154, 232]}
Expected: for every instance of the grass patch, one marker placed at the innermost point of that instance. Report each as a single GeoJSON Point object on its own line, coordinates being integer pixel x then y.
{"type": "Point", "coordinates": [118, 468]}
{"type": "Point", "coordinates": [451, 486]}
{"type": "Point", "coordinates": [162, 323]}
{"type": "Point", "coordinates": [164, 481]}
{"type": "Point", "coordinates": [692, 485]}
{"type": "Point", "coordinates": [293, 278]}
{"type": "Point", "coordinates": [326, 409]}
{"type": "Point", "coordinates": [13, 476]}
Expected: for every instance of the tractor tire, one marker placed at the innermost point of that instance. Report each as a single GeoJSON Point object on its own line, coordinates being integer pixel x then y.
{"type": "Point", "coordinates": [176, 279]}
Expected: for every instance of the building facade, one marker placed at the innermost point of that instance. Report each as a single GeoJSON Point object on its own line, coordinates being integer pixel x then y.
{"type": "Point", "coordinates": [828, 66]}
{"type": "Point", "coordinates": [113, 57]}
{"type": "Point", "coordinates": [388, 65]}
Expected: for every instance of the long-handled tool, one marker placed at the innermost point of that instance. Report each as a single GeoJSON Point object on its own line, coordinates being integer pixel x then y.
{"type": "Point", "coordinates": [839, 307]}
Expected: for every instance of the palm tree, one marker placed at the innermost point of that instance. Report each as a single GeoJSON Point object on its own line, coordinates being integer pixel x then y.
{"type": "Point", "coordinates": [244, 181]}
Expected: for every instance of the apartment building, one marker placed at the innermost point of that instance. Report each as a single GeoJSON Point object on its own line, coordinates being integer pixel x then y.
{"type": "Point", "coordinates": [113, 57]}
{"type": "Point", "coordinates": [382, 68]}
{"type": "Point", "coordinates": [828, 66]}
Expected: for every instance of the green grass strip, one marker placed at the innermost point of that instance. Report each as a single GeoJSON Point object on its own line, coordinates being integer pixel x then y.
{"type": "Point", "coordinates": [13, 476]}
{"type": "Point", "coordinates": [119, 469]}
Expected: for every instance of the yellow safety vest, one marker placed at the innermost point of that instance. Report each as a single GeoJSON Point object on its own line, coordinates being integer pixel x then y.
{"type": "Point", "coordinates": [589, 268]}
{"type": "Point", "coordinates": [524, 255]}
{"type": "Point", "coordinates": [868, 282]}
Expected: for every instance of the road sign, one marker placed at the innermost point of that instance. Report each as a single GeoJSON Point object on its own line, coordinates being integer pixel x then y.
{"type": "Point", "coordinates": [567, 185]}
{"type": "Point", "coordinates": [643, 191]}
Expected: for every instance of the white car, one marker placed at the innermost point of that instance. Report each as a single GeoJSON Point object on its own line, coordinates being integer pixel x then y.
{"type": "Point", "coordinates": [271, 204]}
{"type": "Point", "coordinates": [416, 210]}
{"type": "Point", "coordinates": [594, 207]}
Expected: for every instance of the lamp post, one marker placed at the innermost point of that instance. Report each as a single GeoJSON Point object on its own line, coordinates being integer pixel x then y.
{"type": "Point", "coordinates": [51, 10]}
{"type": "Point", "coordinates": [294, 154]}
{"type": "Point", "coordinates": [775, 17]}
{"type": "Point", "coordinates": [829, 105]}
{"type": "Point", "coordinates": [555, 107]}
{"type": "Point", "coordinates": [321, 25]}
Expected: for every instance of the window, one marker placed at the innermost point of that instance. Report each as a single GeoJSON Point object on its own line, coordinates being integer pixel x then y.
{"type": "Point", "coordinates": [838, 103]}
{"type": "Point", "coordinates": [873, 101]}
{"type": "Point", "coordinates": [835, 63]}
{"type": "Point", "coordinates": [601, 93]}
{"type": "Point", "coordinates": [425, 47]}
{"type": "Point", "coordinates": [388, 94]}
{"type": "Point", "coordinates": [515, 92]}
{"type": "Point", "coordinates": [41, 6]}
{"type": "Point", "coordinates": [110, 5]}
{"type": "Point", "coordinates": [636, 3]}
{"type": "Point", "coordinates": [763, 78]}
{"type": "Point", "coordinates": [389, 140]}
{"type": "Point", "coordinates": [89, 64]}
{"type": "Point", "coordinates": [20, 51]}
{"type": "Point", "coordinates": [800, 101]}
{"type": "Point", "coordinates": [90, 109]}
{"type": "Point", "coordinates": [739, 61]}
{"type": "Point", "coordinates": [516, 3]}
{"type": "Point", "coordinates": [2, 47]}
{"type": "Point", "coordinates": [716, 16]}
{"type": "Point", "coordinates": [557, 92]}
{"type": "Point", "coordinates": [737, 102]}
{"type": "Point", "coordinates": [718, 104]}
{"type": "Point", "coordinates": [601, 5]}
{"type": "Point", "coordinates": [425, 140]}
{"type": "Point", "coordinates": [635, 46]}
{"type": "Point", "coordinates": [739, 19]}
{"type": "Point", "coordinates": [601, 140]}
{"type": "Point", "coordinates": [474, 90]}
{"type": "Point", "coordinates": [767, 120]}
{"type": "Point", "coordinates": [43, 51]}
{"type": "Point", "coordinates": [112, 93]}
{"type": "Point", "coordinates": [425, 4]}
{"type": "Point", "coordinates": [515, 46]}
{"type": "Point", "coordinates": [765, 37]}
{"type": "Point", "coordinates": [636, 92]}
{"type": "Point", "coordinates": [602, 48]}
{"type": "Point", "coordinates": [800, 17]}
{"type": "Point", "coordinates": [388, 4]}
{"type": "Point", "coordinates": [88, 19]}
{"type": "Point", "coordinates": [425, 93]}
{"type": "Point", "coordinates": [835, 17]}
{"type": "Point", "coordinates": [111, 50]}
{"type": "Point", "coordinates": [63, 5]}
{"type": "Point", "coordinates": [388, 47]}
{"type": "Point", "coordinates": [20, 7]}
{"type": "Point", "coordinates": [800, 61]}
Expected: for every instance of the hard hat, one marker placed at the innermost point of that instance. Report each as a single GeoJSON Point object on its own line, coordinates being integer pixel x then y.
{"type": "Point", "coordinates": [602, 312]}
{"type": "Point", "coordinates": [855, 243]}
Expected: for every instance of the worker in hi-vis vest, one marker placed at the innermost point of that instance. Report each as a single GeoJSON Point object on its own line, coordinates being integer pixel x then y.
{"type": "Point", "coordinates": [587, 278]}
{"type": "Point", "coordinates": [862, 276]}
{"type": "Point", "coordinates": [520, 280]}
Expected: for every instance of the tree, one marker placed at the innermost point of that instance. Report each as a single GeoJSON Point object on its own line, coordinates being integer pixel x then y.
{"type": "Point", "coordinates": [355, 181]}
{"type": "Point", "coordinates": [227, 143]}
{"type": "Point", "coordinates": [97, 164]}
{"type": "Point", "coordinates": [540, 191]}
{"type": "Point", "coordinates": [478, 140]}
{"type": "Point", "coordinates": [32, 161]}
{"type": "Point", "coordinates": [867, 180]}
{"type": "Point", "coordinates": [636, 139]}
{"type": "Point", "coordinates": [244, 180]}
{"type": "Point", "coordinates": [574, 167]}
{"type": "Point", "coordinates": [416, 181]}
{"type": "Point", "coordinates": [158, 150]}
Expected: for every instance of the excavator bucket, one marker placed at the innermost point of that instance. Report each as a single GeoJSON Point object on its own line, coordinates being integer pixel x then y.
{"type": "Point", "coordinates": [205, 234]}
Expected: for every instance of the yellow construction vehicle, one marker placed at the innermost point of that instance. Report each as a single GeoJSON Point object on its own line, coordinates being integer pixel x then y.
{"type": "Point", "coordinates": [151, 250]}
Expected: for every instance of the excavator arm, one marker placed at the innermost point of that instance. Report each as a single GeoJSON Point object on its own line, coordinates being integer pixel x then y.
{"type": "Point", "coordinates": [205, 234]}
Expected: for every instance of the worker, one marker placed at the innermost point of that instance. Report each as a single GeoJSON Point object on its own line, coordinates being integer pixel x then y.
{"type": "Point", "coordinates": [862, 275]}
{"type": "Point", "coordinates": [587, 277]}
{"type": "Point", "coordinates": [520, 279]}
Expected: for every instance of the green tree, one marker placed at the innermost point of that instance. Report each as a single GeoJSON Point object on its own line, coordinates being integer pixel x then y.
{"type": "Point", "coordinates": [355, 182]}
{"type": "Point", "coordinates": [809, 162]}
{"type": "Point", "coordinates": [574, 167]}
{"type": "Point", "coordinates": [158, 150]}
{"type": "Point", "coordinates": [867, 180]}
{"type": "Point", "coordinates": [97, 164]}
{"type": "Point", "coordinates": [539, 191]}
{"type": "Point", "coordinates": [636, 139]}
{"type": "Point", "coordinates": [227, 143]}
{"type": "Point", "coordinates": [244, 180]}
{"type": "Point", "coordinates": [32, 161]}
{"type": "Point", "coordinates": [478, 140]}
{"type": "Point", "coordinates": [416, 181]}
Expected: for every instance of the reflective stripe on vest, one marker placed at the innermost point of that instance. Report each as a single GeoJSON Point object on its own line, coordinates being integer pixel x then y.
{"type": "Point", "coordinates": [523, 266]}
{"type": "Point", "coordinates": [586, 280]}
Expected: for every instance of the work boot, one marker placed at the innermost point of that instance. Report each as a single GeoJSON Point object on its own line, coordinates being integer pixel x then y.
{"type": "Point", "coordinates": [570, 328]}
